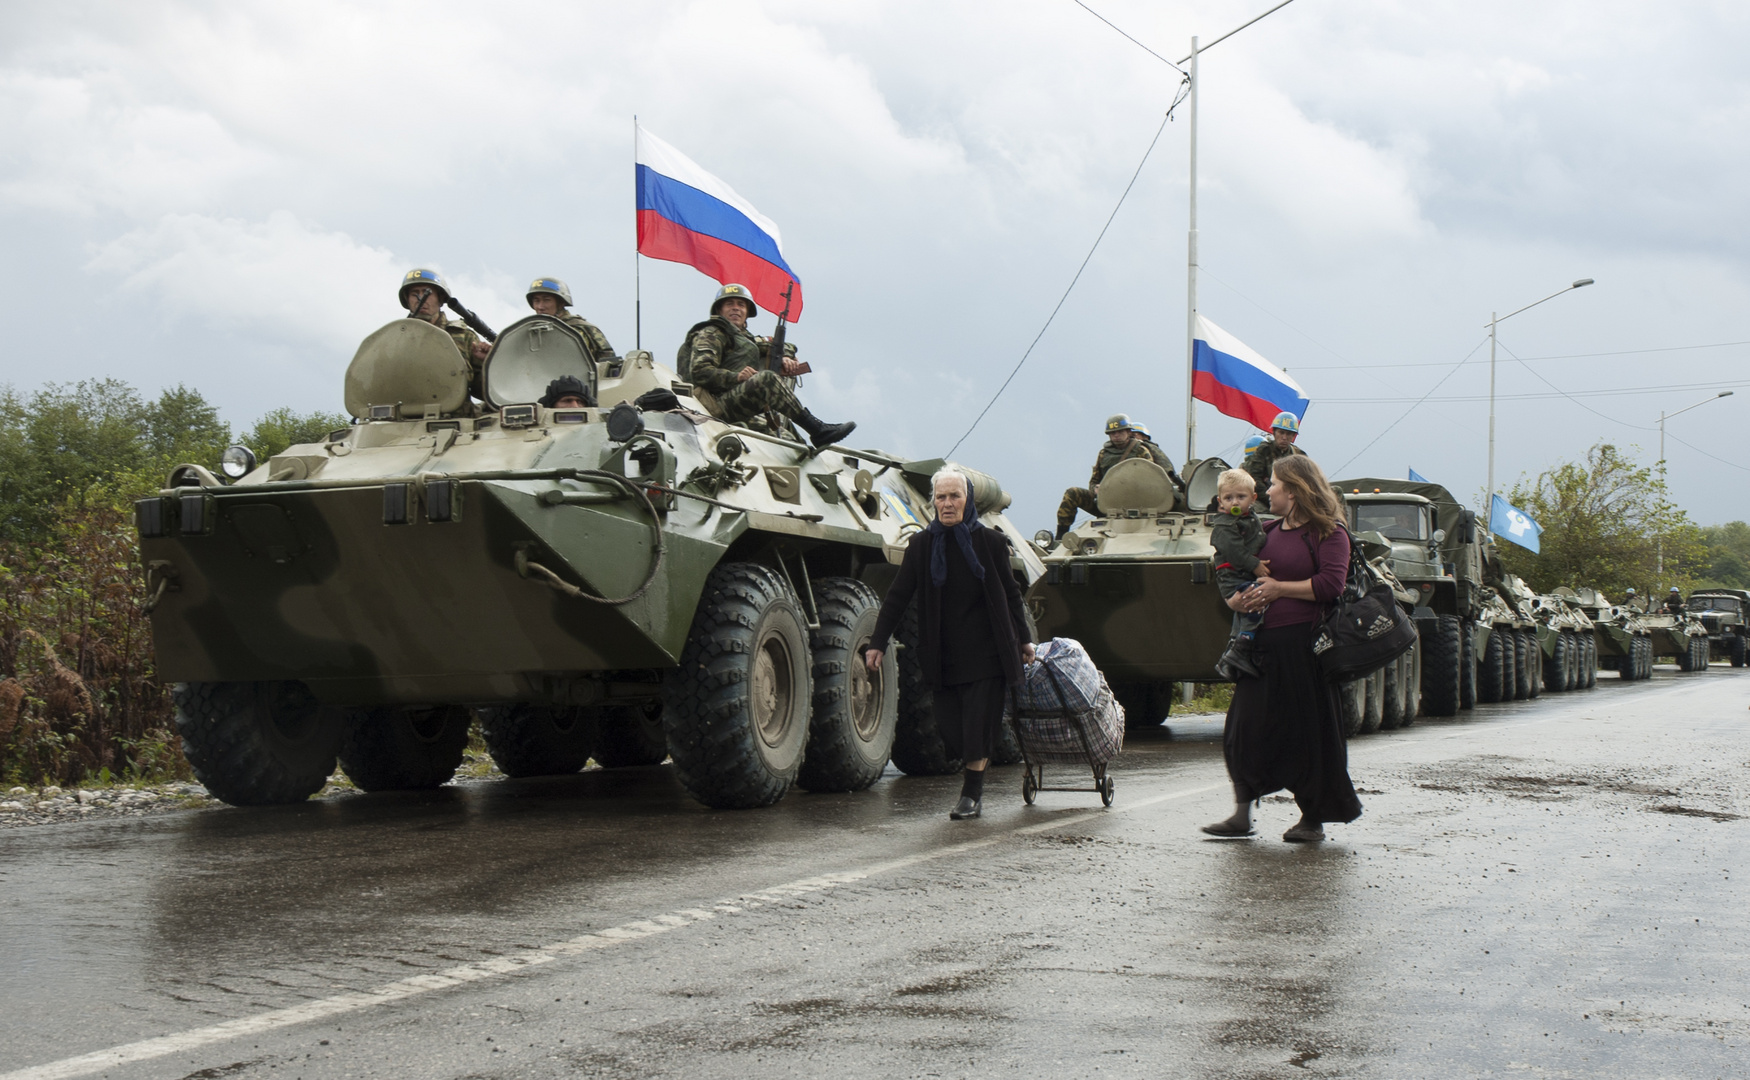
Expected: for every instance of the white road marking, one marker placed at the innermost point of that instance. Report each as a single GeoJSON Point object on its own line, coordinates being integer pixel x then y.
{"type": "Point", "coordinates": [274, 1019]}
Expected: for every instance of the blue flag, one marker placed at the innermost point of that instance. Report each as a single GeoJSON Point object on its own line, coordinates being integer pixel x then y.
{"type": "Point", "coordinates": [1417, 478]}
{"type": "Point", "coordinates": [1511, 523]}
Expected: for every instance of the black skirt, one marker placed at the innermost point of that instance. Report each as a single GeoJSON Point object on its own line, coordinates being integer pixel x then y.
{"type": "Point", "coordinates": [1284, 731]}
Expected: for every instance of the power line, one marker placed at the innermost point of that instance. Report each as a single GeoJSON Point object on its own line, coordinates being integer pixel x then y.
{"type": "Point", "coordinates": [1412, 408]}
{"type": "Point", "coordinates": [1558, 393]}
{"type": "Point", "coordinates": [1570, 397]}
{"type": "Point", "coordinates": [1138, 44]}
{"type": "Point", "coordinates": [1078, 274]}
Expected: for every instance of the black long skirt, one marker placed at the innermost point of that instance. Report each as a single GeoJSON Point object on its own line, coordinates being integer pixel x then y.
{"type": "Point", "coordinates": [1284, 731]}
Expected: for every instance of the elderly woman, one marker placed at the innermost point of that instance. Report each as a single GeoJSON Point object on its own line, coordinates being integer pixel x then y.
{"type": "Point", "coordinates": [972, 632]}
{"type": "Point", "coordinates": [1283, 728]}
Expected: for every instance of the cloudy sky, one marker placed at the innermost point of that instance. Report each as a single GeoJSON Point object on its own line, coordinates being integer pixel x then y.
{"type": "Point", "coordinates": [225, 195]}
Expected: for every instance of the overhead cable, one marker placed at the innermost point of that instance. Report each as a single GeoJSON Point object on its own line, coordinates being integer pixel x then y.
{"type": "Point", "coordinates": [1133, 41]}
{"type": "Point", "coordinates": [1560, 356]}
{"type": "Point", "coordinates": [1412, 408]}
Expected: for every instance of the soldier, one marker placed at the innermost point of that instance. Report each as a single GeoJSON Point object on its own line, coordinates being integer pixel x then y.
{"type": "Point", "coordinates": [1125, 439]}
{"type": "Point", "coordinates": [565, 392]}
{"type": "Point", "coordinates": [1283, 431]}
{"type": "Point", "coordinates": [722, 359]}
{"type": "Point", "coordinates": [423, 293]}
{"type": "Point", "coordinates": [550, 296]}
{"type": "Point", "coordinates": [1632, 600]}
{"type": "Point", "coordinates": [1674, 601]}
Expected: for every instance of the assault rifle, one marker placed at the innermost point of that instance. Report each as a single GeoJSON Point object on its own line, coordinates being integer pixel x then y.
{"type": "Point", "coordinates": [775, 344]}
{"type": "Point", "coordinates": [475, 322]}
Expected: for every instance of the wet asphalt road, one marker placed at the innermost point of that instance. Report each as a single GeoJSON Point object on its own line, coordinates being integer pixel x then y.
{"type": "Point", "coordinates": [1546, 888]}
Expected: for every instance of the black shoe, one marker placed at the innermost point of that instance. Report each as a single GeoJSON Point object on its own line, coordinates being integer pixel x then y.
{"type": "Point", "coordinates": [1237, 661]}
{"type": "Point", "coordinates": [821, 433]}
{"type": "Point", "coordinates": [967, 807]}
{"type": "Point", "coordinates": [1062, 531]}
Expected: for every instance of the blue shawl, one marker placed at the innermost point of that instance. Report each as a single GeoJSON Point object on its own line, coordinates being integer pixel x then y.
{"type": "Point", "coordinates": [962, 534]}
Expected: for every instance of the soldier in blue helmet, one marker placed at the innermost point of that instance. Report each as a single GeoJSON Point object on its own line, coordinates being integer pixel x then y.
{"type": "Point", "coordinates": [1283, 431]}
{"type": "Point", "coordinates": [423, 292]}
{"type": "Point", "coordinates": [1125, 439]}
{"type": "Point", "coordinates": [550, 296]}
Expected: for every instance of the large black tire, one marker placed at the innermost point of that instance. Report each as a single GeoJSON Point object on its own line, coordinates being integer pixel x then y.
{"type": "Point", "coordinates": [1558, 667]}
{"type": "Point", "coordinates": [404, 748]}
{"type": "Point", "coordinates": [736, 708]}
{"type": "Point", "coordinates": [1442, 654]}
{"type": "Point", "coordinates": [1391, 711]}
{"type": "Point", "coordinates": [629, 736]}
{"type": "Point", "coordinates": [1703, 652]}
{"type": "Point", "coordinates": [1531, 662]}
{"type": "Point", "coordinates": [1589, 661]}
{"type": "Point", "coordinates": [1352, 706]}
{"type": "Point", "coordinates": [1735, 649]}
{"type": "Point", "coordinates": [850, 734]}
{"type": "Point", "coordinates": [1412, 684]}
{"type": "Point", "coordinates": [1467, 666]}
{"type": "Point", "coordinates": [1146, 704]}
{"type": "Point", "coordinates": [1646, 658]}
{"type": "Point", "coordinates": [917, 744]}
{"type": "Point", "coordinates": [1374, 714]}
{"type": "Point", "coordinates": [1685, 656]}
{"type": "Point", "coordinates": [257, 744]}
{"type": "Point", "coordinates": [1513, 652]}
{"type": "Point", "coordinates": [1495, 668]}
{"type": "Point", "coordinates": [525, 739]}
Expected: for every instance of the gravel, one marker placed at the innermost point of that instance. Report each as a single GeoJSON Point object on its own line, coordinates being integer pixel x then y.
{"type": "Point", "coordinates": [22, 806]}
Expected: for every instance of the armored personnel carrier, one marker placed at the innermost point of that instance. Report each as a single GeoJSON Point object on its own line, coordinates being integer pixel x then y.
{"type": "Point", "coordinates": [1436, 555]}
{"type": "Point", "coordinates": [1623, 643]}
{"type": "Point", "coordinates": [1563, 634]}
{"type": "Point", "coordinates": [1681, 636]}
{"type": "Point", "coordinates": [1136, 586]}
{"type": "Point", "coordinates": [1509, 660]}
{"type": "Point", "coordinates": [627, 580]}
{"type": "Point", "coordinates": [1725, 614]}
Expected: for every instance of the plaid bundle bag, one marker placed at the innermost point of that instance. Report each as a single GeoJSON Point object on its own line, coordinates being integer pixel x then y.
{"type": "Point", "coordinates": [1055, 733]}
{"type": "Point", "coordinates": [1080, 681]}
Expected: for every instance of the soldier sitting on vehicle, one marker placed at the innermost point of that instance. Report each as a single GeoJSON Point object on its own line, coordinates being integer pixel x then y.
{"type": "Point", "coordinates": [1125, 439]}
{"type": "Point", "coordinates": [1283, 431]}
{"type": "Point", "coordinates": [550, 296]}
{"type": "Point", "coordinates": [423, 293]}
{"type": "Point", "coordinates": [1674, 601]}
{"type": "Point", "coordinates": [1632, 600]}
{"type": "Point", "coordinates": [731, 376]}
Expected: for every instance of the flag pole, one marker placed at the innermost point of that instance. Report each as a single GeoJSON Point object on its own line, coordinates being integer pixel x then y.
{"type": "Point", "coordinates": [637, 266]}
{"type": "Point", "coordinates": [1191, 284]}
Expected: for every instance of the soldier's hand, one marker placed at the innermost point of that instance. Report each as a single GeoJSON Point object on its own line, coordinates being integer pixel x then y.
{"type": "Point", "coordinates": [791, 367]}
{"type": "Point", "coordinates": [744, 374]}
{"type": "Point", "coordinates": [479, 350]}
{"type": "Point", "coordinates": [872, 659]}
{"type": "Point", "coordinates": [1094, 489]}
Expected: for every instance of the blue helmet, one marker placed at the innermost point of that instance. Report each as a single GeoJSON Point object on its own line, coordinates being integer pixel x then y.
{"type": "Point", "coordinates": [1286, 422]}
{"type": "Point", "coordinates": [551, 287]}
{"type": "Point", "coordinates": [1253, 443]}
{"type": "Point", "coordinates": [423, 276]}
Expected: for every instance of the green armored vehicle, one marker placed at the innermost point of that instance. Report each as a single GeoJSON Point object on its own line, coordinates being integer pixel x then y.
{"type": "Point", "coordinates": [627, 580]}
{"type": "Point", "coordinates": [1725, 614]}
{"type": "Point", "coordinates": [1436, 556]}
{"type": "Point", "coordinates": [1563, 634]}
{"type": "Point", "coordinates": [1136, 586]}
{"type": "Point", "coordinates": [1681, 636]}
{"type": "Point", "coordinates": [1507, 633]}
{"type": "Point", "coordinates": [1623, 642]}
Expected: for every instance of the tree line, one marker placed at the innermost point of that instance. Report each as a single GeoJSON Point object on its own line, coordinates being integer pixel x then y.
{"type": "Point", "coordinates": [79, 697]}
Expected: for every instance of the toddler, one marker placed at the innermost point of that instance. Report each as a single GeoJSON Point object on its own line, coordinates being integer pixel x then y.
{"type": "Point", "coordinates": [1238, 537]}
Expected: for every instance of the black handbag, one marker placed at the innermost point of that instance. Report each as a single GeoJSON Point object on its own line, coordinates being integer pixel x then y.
{"type": "Point", "coordinates": [1365, 629]}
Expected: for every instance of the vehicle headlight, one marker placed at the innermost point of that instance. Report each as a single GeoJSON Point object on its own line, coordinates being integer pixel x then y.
{"type": "Point", "coordinates": [237, 461]}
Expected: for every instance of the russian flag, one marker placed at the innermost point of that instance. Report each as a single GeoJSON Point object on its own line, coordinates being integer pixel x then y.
{"type": "Point", "coordinates": [1239, 382]}
{"type": "Point", "coordinates": [686, 215]}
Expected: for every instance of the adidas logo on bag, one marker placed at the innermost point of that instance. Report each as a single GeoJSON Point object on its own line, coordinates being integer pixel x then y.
{"type": "Point", "coordinates": [1322, 643]}
{"type": "Point", "coordinates": [1381, 625]}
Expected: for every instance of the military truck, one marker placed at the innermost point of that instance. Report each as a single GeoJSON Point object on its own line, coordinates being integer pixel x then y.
{"type": "Point", "coordinates": [1136, 586]}
{"type": "Point", "coordinates": [1623, 643]}
{"type": "Point", "coordinates": [1436, 555]}
{"type": "Point", "coordinates": [630, 580]}
{"type": "Point", "coordinates": [1724, 614]}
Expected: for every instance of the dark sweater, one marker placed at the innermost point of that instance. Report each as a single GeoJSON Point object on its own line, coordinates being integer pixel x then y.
{"type": "Point", "coordinates": [1290, 553]}
{"type": "Point", "coordinates": [957, 632]}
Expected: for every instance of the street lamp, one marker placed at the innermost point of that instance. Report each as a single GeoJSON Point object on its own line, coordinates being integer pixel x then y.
{"type": "Point", "coordinates": [1494, 319]}
{"type": "Point", "coordinates": [1664, 416]}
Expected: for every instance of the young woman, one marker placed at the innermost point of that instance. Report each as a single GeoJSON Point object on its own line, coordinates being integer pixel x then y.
{"type": "Point", "coordinates": [1283, 729]}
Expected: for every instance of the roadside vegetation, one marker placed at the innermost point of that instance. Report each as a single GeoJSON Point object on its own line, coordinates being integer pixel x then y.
{"type": "Point", "coordinates": [80, 701]}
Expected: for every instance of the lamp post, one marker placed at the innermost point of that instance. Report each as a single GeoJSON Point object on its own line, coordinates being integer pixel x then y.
{"type": "Point", "coordinates": [1494, 320]}
{"type": "Point", "coordinates": [1664, 416]}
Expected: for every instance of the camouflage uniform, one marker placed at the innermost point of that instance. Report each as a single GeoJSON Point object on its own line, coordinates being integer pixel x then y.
{"type": "Point", "coordinates": [1263, 459]}
{"type": "Point", "coordinates": [713, 358]}
{"type": "Point", "coordinates": [465, 339]}
{"type": "Point", "coordinates": [591, 333]}
{"type": "Point", "coordinates": [1083, 498]}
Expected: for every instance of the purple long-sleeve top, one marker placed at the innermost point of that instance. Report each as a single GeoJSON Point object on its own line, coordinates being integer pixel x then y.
{"type": "Point", "coordinates": [1290, 554]}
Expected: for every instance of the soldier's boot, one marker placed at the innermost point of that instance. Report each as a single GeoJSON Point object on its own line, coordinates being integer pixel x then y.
{"type": "Point", "coordinates": [821, 433]}
{"type": "Point", "coordinates": [1063, 527]}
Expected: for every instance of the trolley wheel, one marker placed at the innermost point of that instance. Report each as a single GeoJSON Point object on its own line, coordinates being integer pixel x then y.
{"type": "Point", "coordinates": [1107, 787]}
{"type": "Point", "coordinates": [1029, 789]}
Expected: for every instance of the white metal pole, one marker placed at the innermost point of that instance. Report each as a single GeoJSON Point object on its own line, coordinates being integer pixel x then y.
{"type": "Point", "coordinates": [1191, 283]}
{"type": "Point", "coordinates": [1489, 507]}
{"type": "Point", "coordinates": [1661, 476]}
